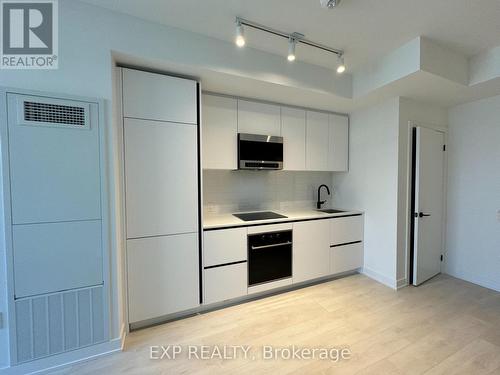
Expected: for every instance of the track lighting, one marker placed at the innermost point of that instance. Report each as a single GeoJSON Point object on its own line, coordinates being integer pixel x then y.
{"type": "Point", "coordinates": [291, 49]}
{"type": "Point", "coordinates": [240, 34]}
{"type": "Point", "coordinates": [293, 39]}
{"type": "Point", "coordinates": [341, 65]}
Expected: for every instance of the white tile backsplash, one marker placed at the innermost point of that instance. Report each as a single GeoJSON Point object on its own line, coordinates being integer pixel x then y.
{"type": "Point", "coordinates": [233, 191]}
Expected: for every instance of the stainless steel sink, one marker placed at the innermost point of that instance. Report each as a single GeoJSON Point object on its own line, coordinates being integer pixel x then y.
{"type": "Point", "coordinates": [331, 211]}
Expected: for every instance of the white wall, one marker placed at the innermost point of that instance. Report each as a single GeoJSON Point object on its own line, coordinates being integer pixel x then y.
{"type": "Point", "coordinates": [372, 184]}
{"type": "Point", "coordinates": [473, 230]}
{"type": "Point", "coordinates": [232, 191]}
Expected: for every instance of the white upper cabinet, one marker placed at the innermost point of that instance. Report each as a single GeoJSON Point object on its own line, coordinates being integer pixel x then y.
{"type": "Point", "coordinates": [312, 140]}
{"type": "Point", "coordinates": [338, 143]}
{"type": "Point", "coordinates": [317, 141]}
{"type": "Point", "coordinates": [159, 97]}
{"type": "Point", "coordinates": [258, 118]}
{"type": "Point", "coordinates": [219, 130]}
{"type": "Point", "coordinates": [293, 131]}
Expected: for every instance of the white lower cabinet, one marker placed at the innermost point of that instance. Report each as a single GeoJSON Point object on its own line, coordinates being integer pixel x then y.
{"type": "Point", "coordinates": [346, 229]}
{"type": "Point", "coordinates": [320, 248]}
{"type": "Point", "coordinates": [224, 246]}
{"type": "Point", "coordinates": [346, 239]}
{"type": "Point", "coordinates": [311, 250]}
{"type": "Point", "coordinates": [346, 258]}
{"type": "Point", "coordinates": [163, 275]}
{"type": "Point", "coordinates": [225, 282]}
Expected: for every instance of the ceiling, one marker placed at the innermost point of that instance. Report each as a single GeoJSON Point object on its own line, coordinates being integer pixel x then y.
{"type": "Point", "coordinates": [365, 29]}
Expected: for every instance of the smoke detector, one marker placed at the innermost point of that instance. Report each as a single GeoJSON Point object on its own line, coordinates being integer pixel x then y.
{"type": "Point", "coordinates": [330, 4]}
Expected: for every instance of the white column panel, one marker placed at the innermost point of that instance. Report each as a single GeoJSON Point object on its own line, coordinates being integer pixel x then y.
{"type": "Point", "coordinates": [159, 97]}
{"type": "Point", "coordinates": [161, 178]}
{"type": "Point", "coordinates": [163, 275]}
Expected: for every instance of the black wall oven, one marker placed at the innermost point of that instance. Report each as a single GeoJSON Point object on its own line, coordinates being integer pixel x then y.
{"type": "Point", "coordinates": [260, 152]}
{"type": "Point", "coordinates": [269, 257]}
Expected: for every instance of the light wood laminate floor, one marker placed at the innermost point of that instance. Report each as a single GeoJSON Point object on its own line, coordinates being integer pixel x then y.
{"type": "Point", "coordinates": [446, 326]}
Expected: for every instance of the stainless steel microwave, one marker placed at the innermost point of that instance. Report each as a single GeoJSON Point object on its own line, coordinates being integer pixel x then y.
{"type": "Point", "coordinates": [260, 152]}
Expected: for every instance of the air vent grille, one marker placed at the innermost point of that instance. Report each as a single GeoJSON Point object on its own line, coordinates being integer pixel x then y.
{"type": "Point", "coordinates": [54, 113]}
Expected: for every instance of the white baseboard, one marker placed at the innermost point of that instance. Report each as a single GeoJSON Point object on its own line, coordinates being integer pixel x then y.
{"type": "Point", "coordinates": [475, 279]}
{"type": "Point", "coordinates": [387, 281]}
{"type": "Point", "coordinates": [43, 365]}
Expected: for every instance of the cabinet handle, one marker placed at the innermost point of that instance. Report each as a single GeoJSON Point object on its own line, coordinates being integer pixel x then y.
{"type": "Point", "coordinates": [269, 246]}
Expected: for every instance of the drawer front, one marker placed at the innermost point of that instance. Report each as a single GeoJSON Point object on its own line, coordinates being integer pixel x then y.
{"type": "Point", "coordinates": [346, 258]}
{"type": "Point", "coordinates": [224, 246]}
{"type": "Point", "coordinates": [226, 282]}
{"type": "Point", "coordinates": [346, 229]}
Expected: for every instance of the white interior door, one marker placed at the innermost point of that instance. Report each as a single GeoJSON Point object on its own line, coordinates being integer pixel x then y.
{"type": "Point", "coordinates": [429, 186]}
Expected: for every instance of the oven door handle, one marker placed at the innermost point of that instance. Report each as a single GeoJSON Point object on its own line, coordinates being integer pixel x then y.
{"type": "Point", "coordinates": [269, 246]}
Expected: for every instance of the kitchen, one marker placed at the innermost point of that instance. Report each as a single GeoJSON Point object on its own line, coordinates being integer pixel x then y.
{"type": "Point", "coordinates": [208, 187]}
{"type": "Point", "coordinates": [246, 250]}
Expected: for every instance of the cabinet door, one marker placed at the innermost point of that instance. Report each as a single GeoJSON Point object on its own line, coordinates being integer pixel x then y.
{"type": "Point", "coordinates": [258, 118]}
{"type": "Point", "coordinates": [338, 150]}
{"type": "Point", "coordinates": [161, 180]}
{"type": "Point", "coordinates": [346, 258]}
{"type": "Point", "coordinates": [346, 229]}
{"type": "Point", "coordinates": [293, 131]}
{"type": "Point", "coordinates": [219, 130]}
{"type": "Point", "coordinates": [317, 141]}
{"type": "Point", "coordinates": [223, 283]}
{"type": "Point", "coordinates": [224, 246]}
{"type": "Point", "coordinates": [159, 97]}
{"type": "Point", "coordinates": [163, 275]}
{"type": "Point", "coordinates": [311, 250]}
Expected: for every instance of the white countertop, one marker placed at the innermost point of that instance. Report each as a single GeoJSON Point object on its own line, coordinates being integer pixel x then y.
{"type": "Point", "coordinates": [213, 221]}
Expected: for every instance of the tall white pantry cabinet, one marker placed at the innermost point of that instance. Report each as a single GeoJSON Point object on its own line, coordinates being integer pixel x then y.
{"type": "Point", "coordinates": [161, 180]}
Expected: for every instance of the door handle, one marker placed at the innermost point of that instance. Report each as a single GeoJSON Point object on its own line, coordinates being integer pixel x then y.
{"type": "Point", "coordinates": [421, 214]}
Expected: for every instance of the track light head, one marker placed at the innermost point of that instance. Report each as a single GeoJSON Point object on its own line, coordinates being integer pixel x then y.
{"type": "Point", "coordinates": [291, 49]}
{"type": "Point", "coordinates": [330, 4]}
{"type": "Point", "coordinates": [341, 65]}
{"type": "Point", "coordinates": [240, 34]}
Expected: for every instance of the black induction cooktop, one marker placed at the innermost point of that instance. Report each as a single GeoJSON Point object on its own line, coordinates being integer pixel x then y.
{"type": "Point", "coordinates": [264, 215]}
